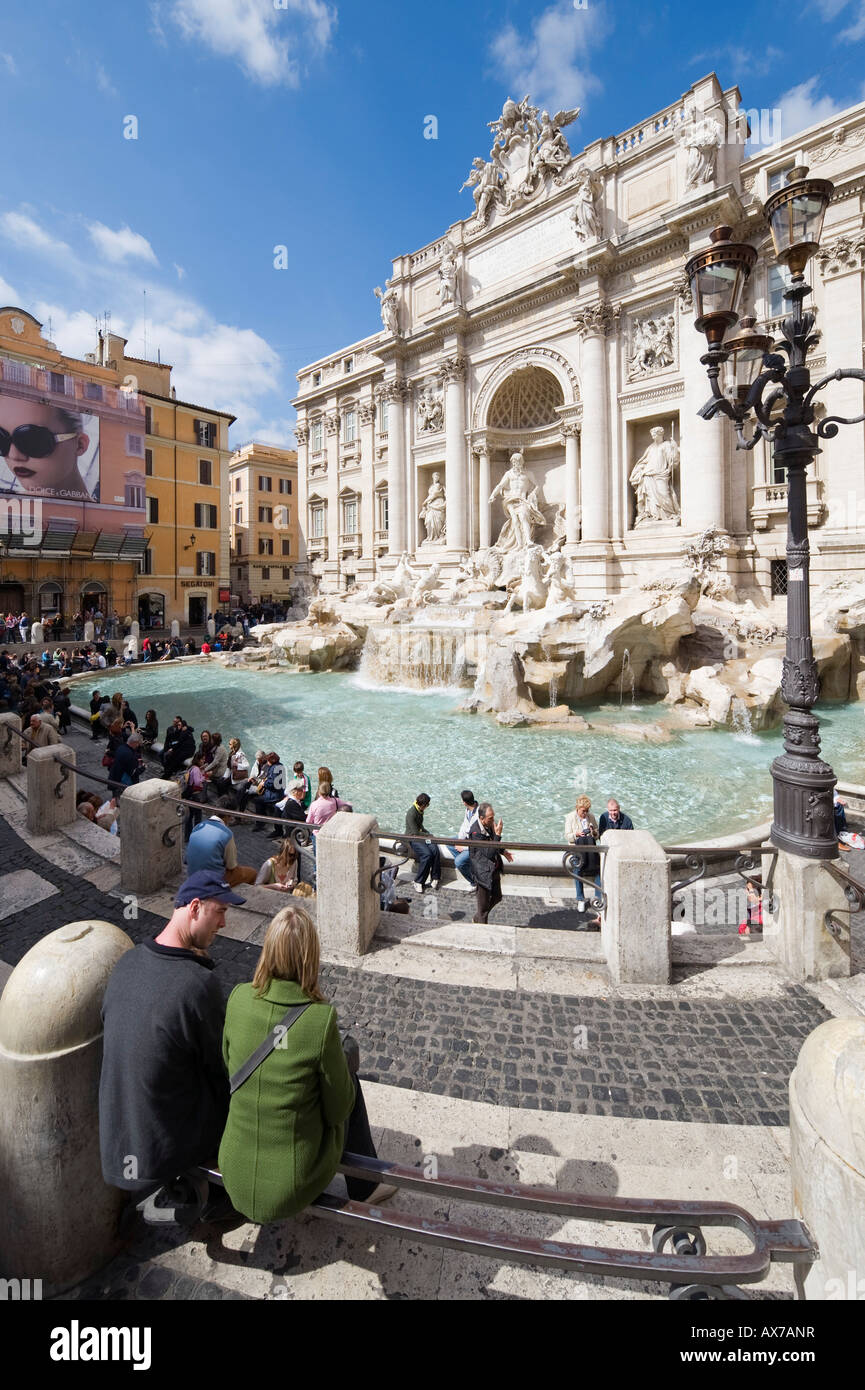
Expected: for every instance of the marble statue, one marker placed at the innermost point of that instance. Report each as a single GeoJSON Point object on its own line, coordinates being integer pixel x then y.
{"type": "Point", "coordinates": [404, 576]}
{"type": "Point", "coordinates": [557, 575]}
{"type": "Point", "coordinates": [652, 345]}
{"type": "Point", "coordinates": [652, 480]}
{"type": "Point", "coordinates": [702, 139]}
{"type": "Point", "coordinates": [560, 527]}
{"type": "Point", "coordinates": [430, 415]}
{"type": "Point", "coordinates": [519, 500]}
{"type": "Point", "coordinates": [529, 588]}
{"type": "Point", "coordinates": [585, 214]}
{"type": "Point", "coordinates": [528, 146]}
{"type": "Point", "coordinates": [422, 589]}
{"type": "Point", "coordinates": [448, 288]}
{"type": "Point", "coordinates": [433, 512]}
{"type": "Point", "coordinates": [483, 180]}
{"type": "Point", "coordinates": [378, 593]}
{"type": "Point", "coordinates": [389, 304]}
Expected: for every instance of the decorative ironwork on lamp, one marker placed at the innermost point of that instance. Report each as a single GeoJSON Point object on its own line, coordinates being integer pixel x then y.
{"type": "Point", "coordinates": [776, 386]}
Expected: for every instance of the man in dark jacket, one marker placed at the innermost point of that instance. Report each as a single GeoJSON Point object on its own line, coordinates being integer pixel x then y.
{"type": "Point", "coordinates": [127, 761]}
{"type": "Point", "coordinates": [179, 745]}
{"type": "Point", "coordinates": [428, 856]}
{"type": "Point", "coordinates": [487, 860]}
{"type": "Point", "coordinates": [163, 1094]}
{"type": "Point", "coordinates": [614, 818]}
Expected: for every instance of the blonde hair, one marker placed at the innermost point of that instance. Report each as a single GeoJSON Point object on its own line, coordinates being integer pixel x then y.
{"type": "Point", "coordinates": [117, 701]}
{"type": "Point", "coordinates": [583, 803]}
{"type": "Point", "coordinates": [290, 951]}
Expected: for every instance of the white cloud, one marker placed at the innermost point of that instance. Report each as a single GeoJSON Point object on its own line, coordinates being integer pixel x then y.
{"type": "Point", "coordinates": [9, 63]}
{"type": "Point", "coordinates": [552, 62]}
{"type": "Point", "coordinates": [122, 245]}
{"type": "Point", "coordinates": [257, 33]}
{"type": "Point", "coordinates": [180, 271]}
{"type": "Point", "coordinates": [103, 81]}
{"type": "Point", "coordinates": [831, 9]}
{"type": "Point", "coordinates": [23, 231]}
{"type": "Point", "coordinates": [801, 107]}
{"type": "Point", "coordinates": [8, 295]}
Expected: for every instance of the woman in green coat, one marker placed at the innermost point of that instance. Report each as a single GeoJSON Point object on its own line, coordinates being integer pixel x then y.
{"type": "Point", "coordinates": [290, 1121]}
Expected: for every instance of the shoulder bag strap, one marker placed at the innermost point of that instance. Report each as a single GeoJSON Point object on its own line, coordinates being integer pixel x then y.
{"type": "Point", "coordinates": [276, 1034]}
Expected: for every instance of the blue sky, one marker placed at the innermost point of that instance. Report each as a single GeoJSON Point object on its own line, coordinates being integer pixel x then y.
{"type": "Point", "coordinates": [301, 123]}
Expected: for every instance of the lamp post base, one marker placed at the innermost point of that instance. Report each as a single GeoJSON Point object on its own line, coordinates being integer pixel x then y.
{"type": "Point", "coordinates": [804, 821]}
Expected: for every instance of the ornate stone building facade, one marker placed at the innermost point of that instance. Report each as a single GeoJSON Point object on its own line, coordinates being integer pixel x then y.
{"type": "Point", "coordinates": [556, 322]}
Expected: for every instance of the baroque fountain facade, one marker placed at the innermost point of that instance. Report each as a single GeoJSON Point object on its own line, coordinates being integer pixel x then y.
{"type": "Point", "coordinates": [508, 486]}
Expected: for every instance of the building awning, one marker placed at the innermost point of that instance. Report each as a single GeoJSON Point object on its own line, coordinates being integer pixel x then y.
{"type": "Point", "coordinates": [57, 541]}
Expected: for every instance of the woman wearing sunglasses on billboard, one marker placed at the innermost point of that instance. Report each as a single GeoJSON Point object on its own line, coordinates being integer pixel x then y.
{"type": "Point", "coordinates": [40, 445]}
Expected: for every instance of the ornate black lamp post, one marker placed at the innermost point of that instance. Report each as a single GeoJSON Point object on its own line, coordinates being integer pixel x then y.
{"type": "Point", "coordinates": [803, 821]}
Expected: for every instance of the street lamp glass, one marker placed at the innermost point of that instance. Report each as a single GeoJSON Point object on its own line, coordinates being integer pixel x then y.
{"type": "Point", "coordinates": [748, 349]}
{"type": "Point", "coordinates": [717, 277]}
{"type": "Point", "coordinates": [795, 215]}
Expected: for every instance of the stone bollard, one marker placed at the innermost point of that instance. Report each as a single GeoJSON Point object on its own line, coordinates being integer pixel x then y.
{"type": "Point", "coordinates": [347, 905]}
{"type": "Point", "coordinates": [148, 861]}
{"type": "Point", "coordinates": [60, 1220]}
{"type": "Point", "coordinates": [89, 631]}
{"type": "Point", "coordinates": [47, 807]}
{"type": "Point", "coordinates": [635, 929]}
{"type": "Point", "coordinates": [211, 628]}
{"type": "Point", "coordinates": [175, 628]}
{"type": "Point", "coordinates": [37, 634]}
{"type": "Point", "coordinates": [827, 1156]}
{"type": "Point", "coordinates": [796, 933]}
{"type": "Point", "coordinates": [10, 745]}
{"type": "Point", "coordinates": [135, 629]}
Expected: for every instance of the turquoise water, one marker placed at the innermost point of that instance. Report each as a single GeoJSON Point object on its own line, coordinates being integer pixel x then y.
{"type": "Point", "coordinates": [384, 746]}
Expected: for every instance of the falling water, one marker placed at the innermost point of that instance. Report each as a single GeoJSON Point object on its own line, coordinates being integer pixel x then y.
{"type": "Point", "coordinates": [410, 658]}
{"type": "Point", "coordinates": [554, 691]}
{"type": "Point", "coordinates": [740, 718]}
{"type": "Point", "coordinates": [626, 667]}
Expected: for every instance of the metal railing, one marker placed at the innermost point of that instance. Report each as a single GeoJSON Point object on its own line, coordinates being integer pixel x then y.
{"type": "Point", "coordinates": [298, 832]}
{"type": "Point", "coordinates": [854, 892]}
{"type": "Point", "coordinates": [747, 865]}
{"type": "Point", "coordinates": [63, 763]}
{"type": "Point", "coordinates": [573, 856]}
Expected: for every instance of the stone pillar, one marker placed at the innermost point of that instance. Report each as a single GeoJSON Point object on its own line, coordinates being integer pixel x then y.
{"type": "Point", "coordinates": [211, 628]}
{"type": "Point", "coordinates": [347, 905]}
{"type": "Point", "coordinates": [484, 489]}
{"type": "Point", "coordinates": [453, 371]}
{"type": "Point", "coordinates": [827, 1156]}
{"type": "Point", "coordinates": [135, 630]}
{"type": "Point", "coordinates": [60, 1220]}
{"type": "Point", "coordinates": [45, 809]}
{"type": "Point", "coordinates": [796, 933]}
{"type": "Point", "coordinates": [366, 413]}
{"type": "Point", "coordinates": [89, 631]}
{"type": "Point", "coordinates": [147, 813]}
{"type": "Point", "coordinates": [334, 510]}
{"type": "Point", "coordinates": [37, 634]}
{"type": "Point", "coordinates": [635, 929]}
{"type": "Point", "coordinates": [571, 432]}
{"type": "Point", "coordinates": [301, 434]}
{"type": "Point", "coordinates": [10, 745]}
{"type": "Point", "coordinates": [593, 323]}
{"type": "Point", "coordinates": [394, 393]}
{"type": "Point", "coordinates": [175, 627]}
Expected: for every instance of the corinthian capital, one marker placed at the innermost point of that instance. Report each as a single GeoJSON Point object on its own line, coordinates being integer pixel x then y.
{"type": "Point", "coordinates": [301, 434]}
{"type": "Point", "coordinates": [452, 369]}
{"type": "Point", "coordinates": [366, 413]}
{"type": "Point", "coordinates": [331, 423]}
{"type": "Point", "coordinates": [570, 429]}
{"type": "Point", "coordinates": [396, 390]}
{"type": "Point", "coordinates": [597, 318]}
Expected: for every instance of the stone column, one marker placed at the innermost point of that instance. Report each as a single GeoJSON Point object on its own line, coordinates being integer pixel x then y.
{"type": "Point", "coordinates": [151, 837]}
{"type": "Point", "coordinates": [61, 1221]}
{"type": "Point", "coordinates": [571, 432]}
{"type": "Point", "coordinates": [366, 414]}
{"type": "Point", "coordinates": [301, 434]}
{"type": "Point", "coordinates": [347, 905]}
{"type": "Point", "coordinates": [593, 324]}
{"type": "Point", "coordinates": [484, 489]}
{"type": "Point", "coordinates": [334, 519]}
{"type": "Point", "coordinates": [453, 370]}
{"type": "Point", "coordinates": [827, 1156]}
{"type": "Point", "coordinates": [45, 809]}
{"type": "Point", "coordinates": [10, 745]}
{"type": "Point", "coordinates": [394, 393]}
{"type": "Point", "coordinates": [635, 929]}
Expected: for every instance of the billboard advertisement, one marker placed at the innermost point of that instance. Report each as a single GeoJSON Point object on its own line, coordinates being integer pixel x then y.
{"type": "Point", "coordinates": [74, 445]}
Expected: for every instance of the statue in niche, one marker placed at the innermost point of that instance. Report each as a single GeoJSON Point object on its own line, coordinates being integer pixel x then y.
{"type": "Point", "coordinates": [520, 502]}
{"type": "Point", "coordinates": [560, 527]}
{"type": "Point", "coordinates": [448, 273]}
{"type": "Point", "coordinates": [702, 139]}
{"type": "Point", "coordinates": [434, 511]}
{"type": "Point", "coordinates": [584, 214]}
{"type": "Point", "coordinates": [430, 415]}
{"type": "Point", "coordinates": [389, 304]}
{"type": "Point", "coordinates": [652, 480]}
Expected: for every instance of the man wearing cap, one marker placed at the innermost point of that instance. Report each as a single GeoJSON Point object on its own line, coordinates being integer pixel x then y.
{"type": "Point", "coordinates": [163, 1094]}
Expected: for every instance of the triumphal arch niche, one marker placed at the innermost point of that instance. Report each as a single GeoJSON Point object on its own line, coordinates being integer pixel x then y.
{"type": "Point", "coordinates": [553, 322]}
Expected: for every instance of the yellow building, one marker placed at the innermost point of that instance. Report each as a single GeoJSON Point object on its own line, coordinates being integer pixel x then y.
{"type": "Point", "coordinates": [72, 482]}
{"type": "Point", "coordinates": [264, 532]}
{"type": "Point", "coordinates": [185, 568]}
